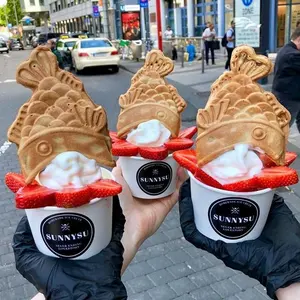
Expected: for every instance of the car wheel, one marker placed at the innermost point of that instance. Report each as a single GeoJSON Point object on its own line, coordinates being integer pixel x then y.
{"type": "Point", "coordinates": [115, 69]}
{"type": "Point", "coordinates": [7, 51]}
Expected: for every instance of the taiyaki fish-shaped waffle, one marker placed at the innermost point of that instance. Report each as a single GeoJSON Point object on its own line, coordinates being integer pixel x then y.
{"type": "Point", "coordinates": [59, 117]}
{"type": "Point", "coordinates": [151, 97]}
{"type": "Point", "coordinates": [240, 111]}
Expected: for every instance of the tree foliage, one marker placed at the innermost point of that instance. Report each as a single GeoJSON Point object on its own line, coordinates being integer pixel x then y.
{"type": "Point", "coordinates": [10, 10]}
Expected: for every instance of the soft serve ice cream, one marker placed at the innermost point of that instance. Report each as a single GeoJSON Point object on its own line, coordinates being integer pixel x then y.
{"type": "Point", "coordinates": [239, 164]}
{"type": "Point", "coordinates": [149, 134]}
{"type": "Point", "coordinates": [70, 169]}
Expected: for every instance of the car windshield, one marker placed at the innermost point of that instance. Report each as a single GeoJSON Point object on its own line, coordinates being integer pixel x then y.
{"type": "Point", "coordinates": [70, 44]}
{"type": "Point", "coordinates": [2, 44]}
{"type": "Point", "coordinates": [95, 44]}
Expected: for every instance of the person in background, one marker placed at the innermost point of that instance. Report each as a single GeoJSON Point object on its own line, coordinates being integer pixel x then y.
{"type": "Point", "coordinates": [298, 24]}
{"type": "Point", "coordinates": [287, 77]}
{"type": "Point", "coordinates": [174, 52]}
{"type": "Point", "coordinates": [208, 36]}
{"type": "Point", "coordinates": [52, 46]}
{"type": "Point", "coordinates": [168, 33]}
{"type": "Point", "coordinates": [191, 50]}
{"type": "Point", "coordinates": [230, 44]}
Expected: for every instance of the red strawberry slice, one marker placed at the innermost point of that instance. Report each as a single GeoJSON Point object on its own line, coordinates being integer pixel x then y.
{"type": "Point", "coordinates": [188, 133]}
{"type": "Point", "coordinates": [114, 137]}
{"type": "Point", "coordinates": [14, 181]}
{"type": "Point", "coordinates": [266, 160]}
{"type": "Point", "coordinates": [207, 179]}
{"type": "Point", "coordinates": [277, 177]}
{"type": "Point", "coordinates": [248, 185]}
{"type": "Point", "coordinates": [34, 196]}
{"type": "Point", "coordinates": [73, 197]}
{"type": "Point", "coordinates": [124, 149]}
{"type": "Point", "coordinates": [104, 188]}
{"type": "Point", "coordinates": [155, 153]}
{"type": "Point", "coordinates": [290, 157]}
{"type": "Point", "coordinates": [187, 159]}
{"type": "Point", "coordinates": [179, 144]}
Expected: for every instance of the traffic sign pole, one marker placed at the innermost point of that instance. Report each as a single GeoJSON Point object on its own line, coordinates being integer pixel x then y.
{"type": "Point", "coordinates": [158, 20]}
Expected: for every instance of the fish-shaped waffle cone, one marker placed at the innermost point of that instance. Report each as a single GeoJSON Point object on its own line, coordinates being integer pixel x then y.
{"type": "Point", "coordinates": [59, 117]}
{"type": "Point", "coordinates": [240, 111]}
{"type": "Point", "coordinates": [151, 97]}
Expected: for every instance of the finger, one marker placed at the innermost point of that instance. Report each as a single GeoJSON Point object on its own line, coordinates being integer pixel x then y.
{"type": "Point", "coordinates": [125, 196]}
{"type": "Point", "coordinates": [182, 176]}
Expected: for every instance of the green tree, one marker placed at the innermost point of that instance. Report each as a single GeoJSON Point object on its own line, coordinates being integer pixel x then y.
{"type": "Point", "coordinates": [10, 10]}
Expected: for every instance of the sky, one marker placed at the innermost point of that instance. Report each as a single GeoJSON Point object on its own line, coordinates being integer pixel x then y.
{"type": "Point", "coordinates": [2, 2]}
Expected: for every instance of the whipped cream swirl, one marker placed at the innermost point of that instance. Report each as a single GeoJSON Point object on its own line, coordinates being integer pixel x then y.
{"type": "Point", "coordinates": [70, 169]}
{"type": "Point", "coordinates": [236, 165]}
{"type": "Point", "coordinates": [149, 134]}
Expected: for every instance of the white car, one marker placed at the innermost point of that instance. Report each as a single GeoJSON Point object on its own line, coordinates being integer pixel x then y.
{"type": "Point", "coordinates": [64, 44]}
{"type": "Point", "coordinates": [95, 52]}
{"type": "Point", "coordinates": [3, 47]}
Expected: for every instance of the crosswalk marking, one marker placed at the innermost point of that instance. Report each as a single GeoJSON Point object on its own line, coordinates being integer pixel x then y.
{"type": "Point", "coordinates": [8, 81]}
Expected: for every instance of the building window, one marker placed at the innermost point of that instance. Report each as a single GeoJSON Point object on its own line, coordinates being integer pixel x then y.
{"type": "Point", "coordinates": [42, 3]}
{"type": "Point", "coordinates": [32, 2]}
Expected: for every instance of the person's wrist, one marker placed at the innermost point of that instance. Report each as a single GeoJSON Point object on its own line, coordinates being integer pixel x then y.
{"type": "Point", "coordinates": [291, 292]}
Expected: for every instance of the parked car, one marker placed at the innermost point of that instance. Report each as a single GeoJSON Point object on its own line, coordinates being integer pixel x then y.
{"type": "Point", "coordinates": [16, 44]}
{"type": "Point", "coordinates": [44, 37]}
{"type": "Point", "coordinates": [3, 47]}
{"type": "Point", "coordinates": [65, 46]}
{"type": "Point", "coordinates": [95, 52]}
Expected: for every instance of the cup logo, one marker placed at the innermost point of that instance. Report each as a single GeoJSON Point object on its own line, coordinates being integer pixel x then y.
{"type": "Point", "coordinates": [67, 235]}
{"type": "Point", "coordinates": [154, 178]}
{"type": "Point", "coordinates": [233, 217]}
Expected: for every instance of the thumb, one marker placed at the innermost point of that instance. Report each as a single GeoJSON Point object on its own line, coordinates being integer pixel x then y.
{"type": "Point", "coordinates": [125, 197]}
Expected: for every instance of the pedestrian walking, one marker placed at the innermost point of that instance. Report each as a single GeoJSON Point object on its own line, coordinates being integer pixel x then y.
{"type": "Point", "coordinates": [208, 36]}
{"type": "Point", "coordinates": [230, 36]}
{"type": "Point", "coordinates": [286, 85]}
{"type": "Point", "coordinates": [52, 46]}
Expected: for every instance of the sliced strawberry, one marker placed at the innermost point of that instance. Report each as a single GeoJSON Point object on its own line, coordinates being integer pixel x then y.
{"type": "Point", "coordinates": [187, 159]}
{"type": "Point", "coordinates": [114, 137]}
{"type": "Point", "coordinates": [34, 196]}
{"type": "Point", "coordinates": [14, 181]}
{"type": "Point", "coordinates": [73, 197]}
{"type": "Point", "coordinates": [188, 133]}
{"type": "Point", "coordinates": [205, 178]}
{"type": "Point", "coordinates": [155, 153]}
{"type": "Point", "coordinates": [277, 177]}
{"type": "Point", "coordinates": [290, 157]}
{"type": "Point", "coordinates": [105, 188]}
{"type": "Point", "coordinates": [124, 149]}
{"type": "Point", "coordinates": [266, 160]}
{"type": "Point", "coordinates": [179, 144]}
{"type": "Point", "coordinates": [248, 185]}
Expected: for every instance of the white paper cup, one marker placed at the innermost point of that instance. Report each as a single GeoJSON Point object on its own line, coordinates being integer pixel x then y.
{"type": "Point", "coordinates": [149, 179]}
{"type": "Point", "coordinates": [73, 233]}
{"type": "Point", "coordinates": [229, 216]}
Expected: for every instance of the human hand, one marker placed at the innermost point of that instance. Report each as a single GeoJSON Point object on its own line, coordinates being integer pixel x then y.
{"type": "Point", "coordinates": [60, 279]}
{"type": "Point", "coordinates": [143, 216]}
{"type": "Point", "coordinates": [273, 258]}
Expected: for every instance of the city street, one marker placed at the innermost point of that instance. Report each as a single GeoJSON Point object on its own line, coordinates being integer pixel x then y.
{"type": "Point", "coordinates": [167, 266]}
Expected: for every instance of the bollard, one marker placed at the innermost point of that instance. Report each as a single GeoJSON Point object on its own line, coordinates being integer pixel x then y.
{"type": "Point", "coordinates": [202, 53]}
{"type": "Point", "coordinates": [182, 57]}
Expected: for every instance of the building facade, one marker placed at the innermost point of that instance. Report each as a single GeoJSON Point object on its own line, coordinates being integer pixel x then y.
{"type": "Point", "coordinates": [38, 11]}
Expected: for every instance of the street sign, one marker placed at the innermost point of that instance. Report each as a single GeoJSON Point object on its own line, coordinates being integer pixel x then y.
{"type": "Point", "coordinates": [96, 11]}
{"type": "Point", "coordinates": [144, 3]}
{"type": "Point", "coordinates": [27, 21]}
{"type": "Point", "coordinates": [247, 22]}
